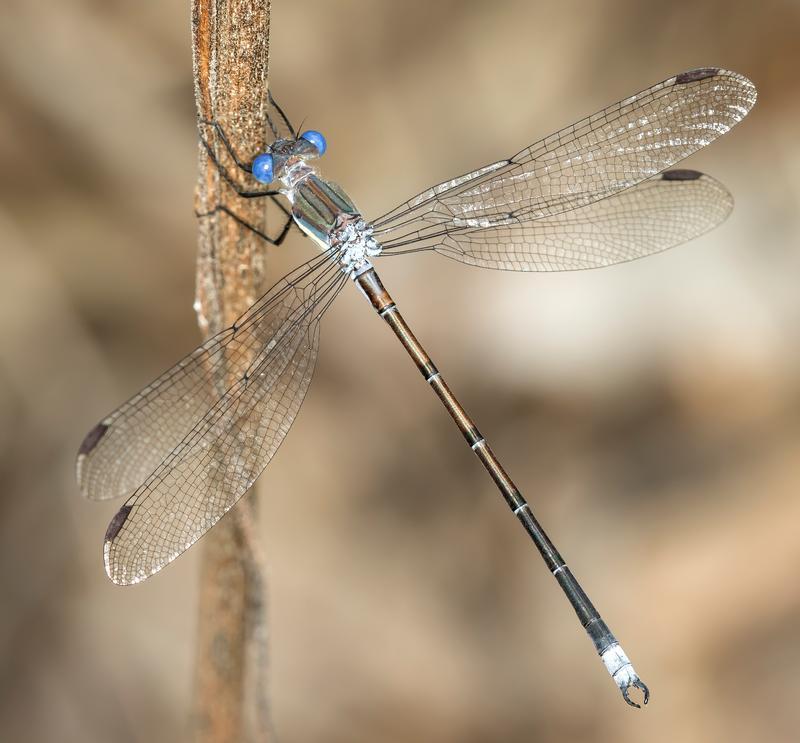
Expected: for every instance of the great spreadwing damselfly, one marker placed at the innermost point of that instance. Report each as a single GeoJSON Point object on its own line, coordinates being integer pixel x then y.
{"type": "Point", "coordinates": [599, 192]}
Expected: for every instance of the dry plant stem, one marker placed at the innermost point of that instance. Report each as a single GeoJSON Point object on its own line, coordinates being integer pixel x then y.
{"type": "Point", "coordinates": [230, 47]}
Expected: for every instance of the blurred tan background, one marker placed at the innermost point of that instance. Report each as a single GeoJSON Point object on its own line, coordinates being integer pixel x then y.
{"type": "Point", "coordinates": [650, 412]}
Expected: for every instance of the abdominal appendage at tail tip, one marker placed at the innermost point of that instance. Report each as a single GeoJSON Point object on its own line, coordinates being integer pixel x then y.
{"type": "Point", "coordinates": [622, 671]}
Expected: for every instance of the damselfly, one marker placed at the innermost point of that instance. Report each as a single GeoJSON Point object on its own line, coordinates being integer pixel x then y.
{"type": "Point", "coordinates": [192, 442]}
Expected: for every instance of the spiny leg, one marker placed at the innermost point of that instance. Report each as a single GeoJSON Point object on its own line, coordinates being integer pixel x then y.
{"type": "Point", "coordinates": [227, 144]}
{"type": "Point", "coordinates": [241, 192]}
{"type": "Point", "coordinates": [223, 171]}
{"type": "Point", "coordinates": [244, 223]}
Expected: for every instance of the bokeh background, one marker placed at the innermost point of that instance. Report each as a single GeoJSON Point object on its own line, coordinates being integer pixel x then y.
{"type": "Point", "coordinates": [650, 412]}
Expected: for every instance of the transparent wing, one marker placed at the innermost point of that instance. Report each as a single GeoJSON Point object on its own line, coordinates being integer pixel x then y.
{"type": "Point", "coordinates": [219, 459]}
{"type": "Point", "coordinates": [126, 446]}
{"type": "Point", "coordinates": [659, 213]}
{"type": "Point", "coordinates": [601, 155]}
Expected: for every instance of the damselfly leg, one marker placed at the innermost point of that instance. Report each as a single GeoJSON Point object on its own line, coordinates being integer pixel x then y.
{"type": "Point", "coordinates": [222, 209]}
{"type": "Point", "coordinates": [239, 189]}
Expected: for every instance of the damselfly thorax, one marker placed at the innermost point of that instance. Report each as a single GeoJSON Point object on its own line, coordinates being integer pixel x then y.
{"type": "Point", "coordinates": [324, 212]}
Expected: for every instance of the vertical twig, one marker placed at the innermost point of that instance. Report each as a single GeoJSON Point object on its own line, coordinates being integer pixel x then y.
{"type": "Point", "coordinates": [230, 47]}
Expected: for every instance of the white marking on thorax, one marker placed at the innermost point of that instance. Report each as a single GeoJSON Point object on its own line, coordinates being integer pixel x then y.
{"type": "Point", "coordinates": [352, 238]}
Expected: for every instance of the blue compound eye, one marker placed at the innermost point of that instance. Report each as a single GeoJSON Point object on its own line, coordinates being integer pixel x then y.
{"type": "Point", "coordinates": [316, 139]}
{"type": "Point", "coordinates": [262, 168]}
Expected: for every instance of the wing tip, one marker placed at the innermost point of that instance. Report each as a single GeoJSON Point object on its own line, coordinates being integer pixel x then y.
{"type": "Point", "coordinates": [114, 527]}
{"type": "Point", "coordinates": [92, 439]}
{"type": "Point", "coordinates": [687, 175]}
{"type": "Point", "coordinates": [697, 74]}
{"type": "Point", "coordinates": [704, 73]}
{"type": "Point", "coordinates": [116, 523]}
{"type": "Point", "coordinates": [681, 174]}
{"type": "Point", "coordinates": [88, 445]}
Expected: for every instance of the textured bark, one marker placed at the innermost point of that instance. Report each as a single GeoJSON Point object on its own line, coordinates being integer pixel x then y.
{"type": "Point", "coordinates": [230, 46]}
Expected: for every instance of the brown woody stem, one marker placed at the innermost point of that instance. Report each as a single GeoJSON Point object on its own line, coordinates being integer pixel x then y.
{"type": "Point", "coordinates": [230, 49]}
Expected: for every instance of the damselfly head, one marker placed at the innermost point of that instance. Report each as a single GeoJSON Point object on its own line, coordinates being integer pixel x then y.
{"type": "Point", "coordinates": [286, 153]}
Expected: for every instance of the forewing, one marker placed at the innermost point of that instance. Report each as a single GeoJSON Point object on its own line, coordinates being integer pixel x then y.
{"type": "Point", "coordinates": [601, 155]}
{"type": "Point", "coordinates": [120, 452]}
{"type": "Point", "coordinates": [221, 457]}
{"type": "Point", "coordinates": [664, 211]}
